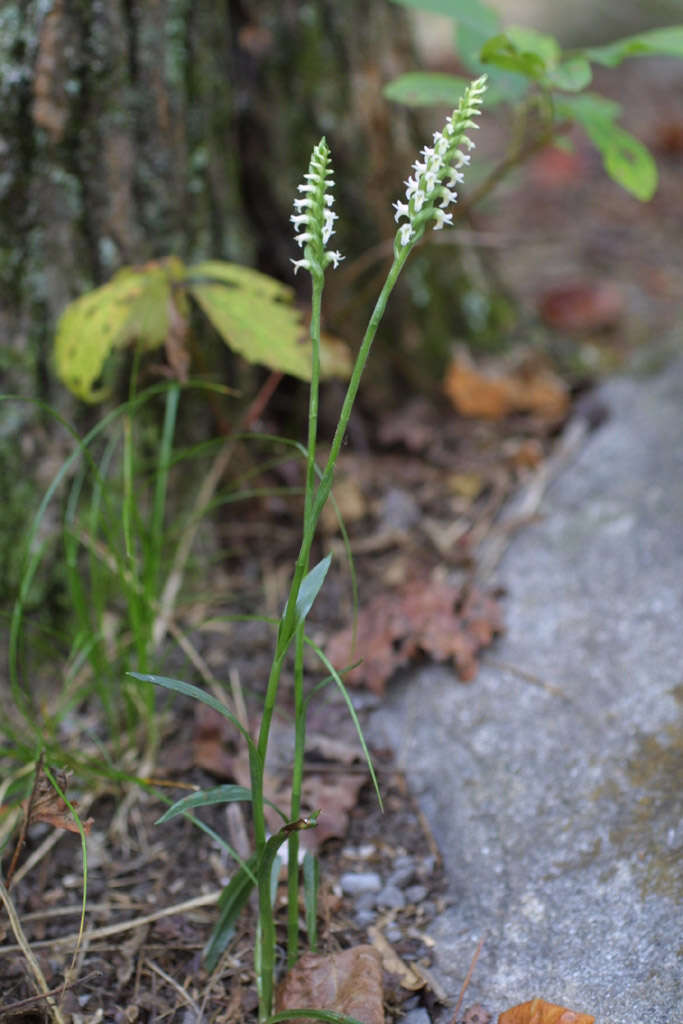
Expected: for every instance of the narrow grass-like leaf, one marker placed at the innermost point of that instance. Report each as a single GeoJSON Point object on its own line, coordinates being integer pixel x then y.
{"type": "Point", "coordinates": [352, 711]}
{"type": "Point", "coordinates": [188, 690]}
{"type": "Point", "coordinates": [230, 904]}
{"type": "Point", "coordinates": [206, 798]}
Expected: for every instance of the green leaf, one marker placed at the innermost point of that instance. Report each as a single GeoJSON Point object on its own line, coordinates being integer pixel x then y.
{"type": "Point", "coordinates": [625, 159]}
{"type": "Point", "coordinates": [426, 88]}
{"type": "Point", "coordinates": [662, 41]}
{"type": "Point", "coordinates": [132, 307]}
{"type": "Point", "coordinates": [310, 587]}
{"type": "Point", "coordinates": [205, 798]}
{"type": "Point", "coordinates": [502, 53]}
{"type": "Point", "coordinates": [231, 902]}
{"type": "Point", "coordinates": [188, 690]}
{"type": "Point", "coordinates": [255, 316]}
{"type": "Point", "coordinates": [529, 41]}
{"type": "Point", "coordinates": [468, 12]}
{"type": "Point", "coordinates": [571, 75]}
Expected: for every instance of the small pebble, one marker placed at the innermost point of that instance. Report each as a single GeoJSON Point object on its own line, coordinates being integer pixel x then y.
{"type": "Point", "coordinates": [365, 901]}
{"type": "Point", "coordinates": [417, 1016]}
{"type": "Point", "coordinates": [416, 893]}
{"type": "Point", "coordinates": [353, 883]}
{"type": "Point", "coordinates": [393, 933]}
{"type": "Point", "coordinates": [391, 897]}
{"type": "Point", "coordinates": [402, 875]}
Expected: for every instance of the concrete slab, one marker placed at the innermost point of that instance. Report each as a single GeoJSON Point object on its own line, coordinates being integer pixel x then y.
{"type": "Point", "coordinates": [554, 783]}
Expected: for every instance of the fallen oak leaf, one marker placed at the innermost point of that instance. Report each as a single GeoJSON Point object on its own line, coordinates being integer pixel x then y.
{"type": "Point", "coordinates": [495, 389]}
{"type": "Point", "coordinates": [435, 619]}
{"type": "Point", "coordinates": [538, 1011]}
{"type": "Point", "coordinates": [348, 983]}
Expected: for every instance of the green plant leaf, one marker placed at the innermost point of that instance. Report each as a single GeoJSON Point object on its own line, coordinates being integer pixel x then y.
{"type": "Point", "coordinates": [426, 88]}
{"type": "Point", "coordinates": [230, 904]}
{"type": "Point", "coordinates": [529, 41]}
{"type": "Point", "coordinates": [188, 690]}
{"type": "Point", "coordinates": [571, 75]}
{"type": "Point", "coordinates": [254, 314]}
{"type": "Point", "coordinates": [310, 587]}
{"type": "Point", "coordinates": [205, 798]}
{"type": "Point", "coordinates": [469, 12]}
{"type": "Point", "coordinates": [625, 159]}
{"type": "Point", "coordinates": [132, 307]}
{"type": "Point", "coordinates": [325, 1015]}
{"type": "Point", "coordinates": [662, 41]}
{"type": "Point", "coordinates": [502, 53]}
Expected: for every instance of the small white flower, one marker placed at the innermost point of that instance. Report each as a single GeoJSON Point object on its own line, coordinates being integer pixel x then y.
{"type": "Point", "coordinates": [402, 210]}
{"type": "Point", "coordinates": [406, 233]}
{"type": "Point", "coordinates": [300, 265]}
{"type": "Point", "coordinates": [334, 257]}
{"type": "Point", "coordinates": [441, 218]}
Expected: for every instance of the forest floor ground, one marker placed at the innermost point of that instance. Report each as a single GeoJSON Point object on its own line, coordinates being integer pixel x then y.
{"type": "Point", "coordinates": [421, 502]}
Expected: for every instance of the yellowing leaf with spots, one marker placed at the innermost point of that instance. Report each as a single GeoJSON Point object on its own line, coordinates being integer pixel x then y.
{"type": "Point", "coordinates": [254, 315]}
{"type": "Point", "coordinates": [132, 308]}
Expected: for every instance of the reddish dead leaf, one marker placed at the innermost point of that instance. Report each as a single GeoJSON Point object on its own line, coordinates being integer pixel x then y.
{"type": "Point", "coordinates": [555, 167]}
{"type": "Point", "coordinates": [585, 306]}
{"type": "Point", "coordinates": [211, 734]}
{"type": "Point", "coordinates": [537, 1011]}
{"type": "Point", "coordinates": [348, 983]}
{"type": "Point", "coordinates": [177, 341]}
{"type": "Point", "coordinates": [495, 390]}
{"type": "Point", "coordinates": [423, 617]}
{"type": "Point", "coordinates": [48, 806]}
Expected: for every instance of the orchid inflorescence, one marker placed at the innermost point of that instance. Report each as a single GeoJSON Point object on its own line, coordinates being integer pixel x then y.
{"type": "Point", "coordinates": [429, 192]}
{"type": "Point", "coordinates": [313, 217]}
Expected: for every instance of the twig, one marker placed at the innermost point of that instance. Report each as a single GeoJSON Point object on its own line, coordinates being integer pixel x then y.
{"type": "Point", "coordinates": [22, 944]}
{"type": "Point", "coordinates": [208, 900]}
{"type": "Point", "coordinates": [23, 1004]}
{"type": "Point", "coordinates": [468, 978]}
{"type": "Point", "coordinates": [185, 996]}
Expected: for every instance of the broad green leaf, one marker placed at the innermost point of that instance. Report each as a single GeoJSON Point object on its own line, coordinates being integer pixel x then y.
{"type": "Point", "coordinates": [662, 41]}
{"type": "Point", "coordinates": [255, 316]}
{"type": "Point", "coordinates": [310, 587]}
{"type": "Point", "coordinates": [625, 159]}
{"type": "Point", "coordinates": [205, 798]}
{"type": "Point", "coordinates": [502, 53]}
{"type": "Point", "coordinates": [426, 88]}
{"type": "Point", "coordinates": [528, 40]}
{"type": "Point", "coordinates": [132, 307]}
{"type": "Point", "coordinates": [474, 13]}
{"type": "Point", "coordinates": [571, 75]}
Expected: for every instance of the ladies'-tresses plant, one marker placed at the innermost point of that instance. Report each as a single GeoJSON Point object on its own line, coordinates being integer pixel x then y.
{"type": "Point", "coordinates": [429, 193]}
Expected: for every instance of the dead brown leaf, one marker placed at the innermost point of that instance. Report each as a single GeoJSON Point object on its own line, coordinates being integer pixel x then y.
{"type": "Point", "coordinates": [584, 306]}
{"type": "Point", "coordinates": [391, 961]}
{"type": "Point", "coordinates": [537, 1011]}
{"type": "Point", "coordinates": [348, 983]}
{"type": "Point", "coordinates": [46, 805]}
{"type": "Point", "coordinates": [435, 619]}
{"type": "Point", "coordinates": [495, 390]}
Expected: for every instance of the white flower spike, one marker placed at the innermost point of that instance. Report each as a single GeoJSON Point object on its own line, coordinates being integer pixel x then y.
{"type": "Point", "coordinates": [313, 216]}
{"type": "Point", "coordinates": [429, 192]}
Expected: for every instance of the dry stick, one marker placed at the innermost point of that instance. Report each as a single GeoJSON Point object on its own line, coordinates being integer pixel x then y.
{"type": "Point", "coordinates": [206, 493]}
{"type": "Point", "coordinates": [24, 825]}
{"type": "Point", "coordinates": [184, 995]}
{"type": "Point", "coordinates": [23, 1004]}
{"type": "Point", "coordinates": [208, 900]}
{"type": "Point", "coordinates": [22, 944]}
{"type": "Point", "coordinates": [468, 978]}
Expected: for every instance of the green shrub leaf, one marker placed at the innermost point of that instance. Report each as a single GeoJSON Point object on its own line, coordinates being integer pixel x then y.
{"type": "Point", "coordinates": [625, 159]}
{"type": "Point", "coordinates": [132, 308]}
{"type": "Point", "coordinates": [662, 41]}
{"type": "Point", "coordinates": [255, 316]}
{"type": "Point", "coordinates": [426, 88]}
